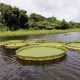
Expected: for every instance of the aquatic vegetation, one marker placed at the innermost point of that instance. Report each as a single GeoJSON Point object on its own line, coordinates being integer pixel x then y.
{"type": "Point", "coordinates": [52, 44]}
{"type": "Point", "coordinates": [40, 53]}
{"type": "Point", "coordinates": [73, 45]}
{"type": "Point", "coordinates": [12, 41]}
{"type": "Point", "coordinates": [34, 32]}
{"type": "Point", "coordinates": [1, 44]}
{"type": "Point", "coordinates": [14, 44]}
{"type": "Point", "coordinates": [41, 41]}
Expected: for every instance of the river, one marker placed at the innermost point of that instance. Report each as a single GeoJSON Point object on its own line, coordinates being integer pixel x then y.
{"type": "Point", "coordinates": [67, 69]}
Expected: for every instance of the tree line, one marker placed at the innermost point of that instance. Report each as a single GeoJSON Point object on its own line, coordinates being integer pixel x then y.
{"type": "Point", "coordinates": [12, 18]}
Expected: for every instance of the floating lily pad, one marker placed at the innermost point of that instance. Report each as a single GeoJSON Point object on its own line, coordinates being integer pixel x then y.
{"type": "Point", "coordinates": [52, 44]}
{"type": "Point", "coordinates": [14, 44]}
{"type": "Point", "coordinates": [40, 41]}
{"type": "Point", "coordinates": [2, 44]}
{"type": "Point", "coordinates": [39, 53]}
{"type": "Point", "coordinates": [73, 45]}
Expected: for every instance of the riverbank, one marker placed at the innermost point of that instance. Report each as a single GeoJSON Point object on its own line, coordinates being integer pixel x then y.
{"type": "Point", "coordinates": [34, 32]}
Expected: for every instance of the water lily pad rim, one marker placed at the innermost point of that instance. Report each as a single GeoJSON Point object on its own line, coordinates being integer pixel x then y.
{"type": "Point", "coordinates": [27, 47]}
{"type": "Point", "coordinates": [50, 57]}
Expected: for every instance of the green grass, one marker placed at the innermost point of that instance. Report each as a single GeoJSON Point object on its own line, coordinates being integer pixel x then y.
{"type": "Point", "coordinates": [34, 32]}
{"type": "Point", "coordinates": [39, 53]}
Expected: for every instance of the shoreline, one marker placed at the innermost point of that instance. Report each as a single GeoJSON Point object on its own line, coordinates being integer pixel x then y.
{"type": "Point", "coordinates": [34, 32]}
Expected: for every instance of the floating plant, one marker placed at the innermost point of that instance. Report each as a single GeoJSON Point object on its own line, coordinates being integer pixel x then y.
{"type": "Point", "coordinates": [40, 53]}
{"type": "Point", "coordinates": [73, 45]}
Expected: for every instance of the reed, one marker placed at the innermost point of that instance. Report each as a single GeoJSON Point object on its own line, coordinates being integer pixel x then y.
{"type": "Point", "coordinates": [34, 32]}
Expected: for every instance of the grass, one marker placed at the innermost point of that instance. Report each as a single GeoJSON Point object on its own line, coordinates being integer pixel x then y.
{"type": "Point", "coordinates": [34, 32]}
{"type": "Point", "coordinates": [39, 53]}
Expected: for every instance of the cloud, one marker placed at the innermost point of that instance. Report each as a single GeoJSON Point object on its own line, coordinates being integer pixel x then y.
{"type": "Point", "coordinates": [62, 9]}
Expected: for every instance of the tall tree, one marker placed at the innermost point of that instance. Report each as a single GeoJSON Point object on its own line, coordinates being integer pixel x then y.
{"type": "Point", "coordinates": [13, 17]}
{"type": "Point", "coordinates": [36, 17]}
{"type": "Point", "coordinates": [63, 25]}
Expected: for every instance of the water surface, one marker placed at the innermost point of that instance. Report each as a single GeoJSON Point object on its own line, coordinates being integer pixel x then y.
{"type": "Point", "coordinates": [67, 69]}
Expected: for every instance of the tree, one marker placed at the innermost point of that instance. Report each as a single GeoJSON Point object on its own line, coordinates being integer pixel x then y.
{"type": "Point", "coordinates": [36, 17]}
{"type": "Point", "coordinates": [52, 19]}
{"type": "Point", "coordinates": [63, 25]}
{"type": "Point", "coordinates": [23, 19]}
{"type": "Point", "coordinates": [13, 17]}
{"type": "Point", "coordinates": [33, 25]}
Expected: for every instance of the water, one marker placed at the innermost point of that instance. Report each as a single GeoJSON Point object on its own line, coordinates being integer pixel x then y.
{"type": "Point", "coordinates": [67, 69]}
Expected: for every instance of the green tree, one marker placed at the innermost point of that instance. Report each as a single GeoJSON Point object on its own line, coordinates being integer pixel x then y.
{"type": "Point", "coordinates": [23, 19]}
{"type": "Point", "coordinates": [52, 19]}
{"type": "Point", "coordinates": [36, 17]}
{"type": "Point", "coordinates": [13, 17]}
{"type": "Point", "coordinates": [63, 25]}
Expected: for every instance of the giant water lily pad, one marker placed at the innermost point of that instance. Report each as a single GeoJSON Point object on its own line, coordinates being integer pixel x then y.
{"type": "Point", "coordinates": [39, 53]}
{"type": "Point", "coordinates": [14, 44]}
{"type": "Point", "coordinates": [73, 45]}
{"type": "Point", "coordinates": [52, 44]}
{"type": "Point", "coordinates": [1, 44]}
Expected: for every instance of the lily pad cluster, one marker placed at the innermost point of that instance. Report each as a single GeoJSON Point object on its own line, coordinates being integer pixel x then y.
{"type": "Point", "coordinates": [42, 52]}
{"type": "Point", "coordinates": [15, 44]}
{"type": "Point", "coordinates": [39, 50]}
{"type": "Point", "coordinates": [46, 51]}
{"type": "Point", "coordinates": [35, 50]}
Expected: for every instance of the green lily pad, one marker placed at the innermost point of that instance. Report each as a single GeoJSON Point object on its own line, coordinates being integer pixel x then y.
{"type": "Point", "coordinates": [14, 44]}
{"type": "Point", "coordinates": [73, 45]}
{"type": "Point", "coordinates": [52, 44]}
{"type": "Point", "coordinates": [39, 53]}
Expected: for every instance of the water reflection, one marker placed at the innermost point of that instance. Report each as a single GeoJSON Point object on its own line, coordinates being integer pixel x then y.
{"type": "Point", "coordinates": [66, 37]}
{"type": "Point", "coordinates": [41, 63]}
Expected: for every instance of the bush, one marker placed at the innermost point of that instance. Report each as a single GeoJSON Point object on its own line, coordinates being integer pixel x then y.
{"type": "Point", "coordinates": [3, 27]}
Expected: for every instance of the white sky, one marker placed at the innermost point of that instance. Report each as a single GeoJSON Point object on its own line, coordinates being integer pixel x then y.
{"type": "Point", "coordinates": [62, 9]}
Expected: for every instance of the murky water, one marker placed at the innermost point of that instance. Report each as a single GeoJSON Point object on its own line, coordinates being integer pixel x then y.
{"type": "Point", "coordinates": [67, 69]}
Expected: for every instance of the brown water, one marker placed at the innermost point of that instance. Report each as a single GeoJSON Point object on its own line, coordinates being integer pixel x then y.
{"type": "Point", "coordinates": [67, 69]}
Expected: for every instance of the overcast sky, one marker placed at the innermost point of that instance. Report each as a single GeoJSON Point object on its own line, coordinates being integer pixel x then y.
{"type": "Point", "coordinates": [62, 9]}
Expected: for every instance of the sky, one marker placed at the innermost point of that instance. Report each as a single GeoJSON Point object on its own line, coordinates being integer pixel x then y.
{"type": "Point", "coordinates": [62, 9]}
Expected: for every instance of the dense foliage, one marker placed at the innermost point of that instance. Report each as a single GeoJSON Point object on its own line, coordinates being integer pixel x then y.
{"type": "Point", "coordinates": [12, 18]}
